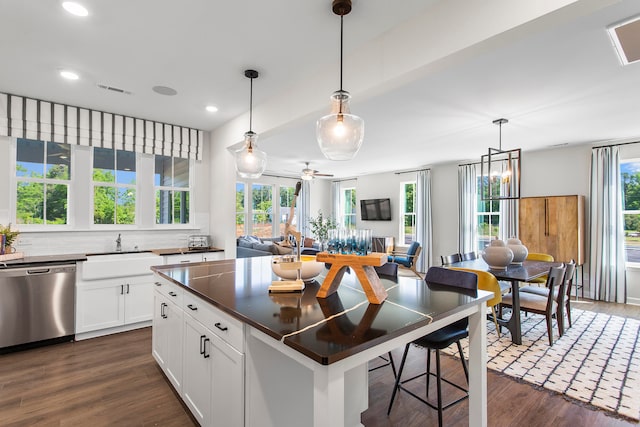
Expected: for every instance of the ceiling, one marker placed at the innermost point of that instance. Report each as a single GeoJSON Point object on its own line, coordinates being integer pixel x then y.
{"type": "Point", "coordinates": [427, 76]}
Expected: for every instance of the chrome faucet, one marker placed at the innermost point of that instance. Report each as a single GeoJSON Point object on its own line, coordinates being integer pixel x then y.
{"type": "Point", "coordinates": [119, 244]}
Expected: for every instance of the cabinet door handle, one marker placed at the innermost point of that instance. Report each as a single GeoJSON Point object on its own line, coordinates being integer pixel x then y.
{"type": "Point", "coordinates": [158, 284]}
{"type": "Point", "coordinates": [173, 294]}
{"type": "Point", "coordinates": [127, 288]}
{"type": "Point", "coordinates": [546, 217]}
{"type": "Point", "coordinates": [219, 326]}
{"type": "Point", "coordinates": [191, 307]}
{"type": "Point", "coordinates": [121, 289]}
{"type": "Point", "coordinates": [184, 261]}
{"type": "Point", "coordinates": [202, 337]}
{"type": "Point", "coordinates": [204, 347]}
{"type": "Point", "coordinates": [162, 313]}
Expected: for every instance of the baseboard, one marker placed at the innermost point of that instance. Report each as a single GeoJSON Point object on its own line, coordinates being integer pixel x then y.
{"type": "Point", "coordinates": [633, 301]}
{"type": "Point", "coordinates": [109, 331]}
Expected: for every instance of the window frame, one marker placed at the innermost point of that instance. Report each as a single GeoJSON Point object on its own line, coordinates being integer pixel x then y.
{"type": "Point", "coordinates": [13, 189]}
{"type": "Point", "coordinates": [92, 186]}
{"type": "Point", "coordinates": [343, 208]}
{"type": "Point", "coordinates": [628, 211]}
{"type": "Point", "coordinates": [402, 212]}
{"type": "Point", "coordinates": [189, 189]}
{"type": "Point", "coordinates": [481, 240]}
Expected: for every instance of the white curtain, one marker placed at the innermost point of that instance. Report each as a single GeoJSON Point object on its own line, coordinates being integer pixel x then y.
{"type": "Point", "coordinates": [335, 202]}
{"type": "Point", "coordinates": [304, 207]}
{"type": "Point", "coordinates": [423, 219]}
{"type": "Point", "coordinates": [607, 257]}
{"type": "Point", "coordinates": [467, 203]}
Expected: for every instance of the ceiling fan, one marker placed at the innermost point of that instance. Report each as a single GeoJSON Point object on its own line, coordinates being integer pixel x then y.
{"type": "Point", "coordinates": [308, 174]}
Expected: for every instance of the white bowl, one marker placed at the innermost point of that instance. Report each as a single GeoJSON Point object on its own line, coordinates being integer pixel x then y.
{"type": "Point", "coordinates": [310, 268]}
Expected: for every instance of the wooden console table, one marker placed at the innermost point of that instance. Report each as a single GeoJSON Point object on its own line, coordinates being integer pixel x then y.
{"type": "Point", "coordinates": [362, 265]}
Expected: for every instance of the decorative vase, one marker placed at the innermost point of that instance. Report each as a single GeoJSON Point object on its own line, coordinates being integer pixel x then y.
{"type": "Point", "coordinates": [519, 250]}
{"type": "Point", "coordinates": [497, 255]}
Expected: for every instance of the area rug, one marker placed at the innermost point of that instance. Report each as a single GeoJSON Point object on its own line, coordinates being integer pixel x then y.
{"type": "Point", "coordinates": [596, 361]}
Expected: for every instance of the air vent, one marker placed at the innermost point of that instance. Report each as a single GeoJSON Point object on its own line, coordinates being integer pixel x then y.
{"type": "Point", "coordinates": [626, 40]}
{"type": "Point", "coordinates": [114, 89]}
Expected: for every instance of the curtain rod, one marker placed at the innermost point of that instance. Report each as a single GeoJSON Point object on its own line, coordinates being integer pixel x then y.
{"type": "Point", "coordinates": [616, 145]}
{"type": "Point", "coordinates": [346, 179]}
{"type": "Point", "coordinates": [469, 164]}
{"type": "Point", "coordinates": [411, 171]}
{"type": "Point", "coordinates": [280, 176]}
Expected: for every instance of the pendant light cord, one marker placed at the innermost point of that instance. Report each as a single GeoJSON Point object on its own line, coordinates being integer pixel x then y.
{"type": "Point", "coordinates": [250, 104]}
{"type": "Point", "coordinates": [341, 37]}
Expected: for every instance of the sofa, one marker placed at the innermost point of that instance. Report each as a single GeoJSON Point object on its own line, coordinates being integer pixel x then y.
{"type": "Point", "coordinates": [252, 246]}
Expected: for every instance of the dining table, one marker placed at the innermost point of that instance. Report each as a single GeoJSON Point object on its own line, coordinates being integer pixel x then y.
{"type": "Point", "coordinates": [514, 274]}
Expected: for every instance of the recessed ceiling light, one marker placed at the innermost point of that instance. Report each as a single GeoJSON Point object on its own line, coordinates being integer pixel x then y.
{"type": "Point", "coordinates": [69, 75]}
{"type": "Point", "coordinates": [75, 8]}
{"type": "Point", "coordinates": [164, 90]}
{"type": "Point", "coordinates": [212, 108]}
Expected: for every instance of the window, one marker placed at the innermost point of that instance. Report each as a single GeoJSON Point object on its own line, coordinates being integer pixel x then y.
{"type": "Point", "coordinates": [630, 177]}
{"type": "Point", "coordinates": [286, 199]}
{"type": "Point", "coordinates": [488, 212]}
{"type": "Point", "coordinates": [172, 189]}
{"type": "Point", "coordinates": [43, 173]}
{"type": "Point", "coordinates": [114, 186]}
{"type": "Point", "coordinates": [241, 214]}
{"type": "Point", "coordinates": [262, 210]}
{"type": "Point", "coordinates": [349, 208]}
{"type": "Point", "coordinates": [407, 212]}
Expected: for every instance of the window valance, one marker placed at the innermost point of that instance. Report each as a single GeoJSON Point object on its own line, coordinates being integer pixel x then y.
{"type": "Point", "coordinates": [30, 118]}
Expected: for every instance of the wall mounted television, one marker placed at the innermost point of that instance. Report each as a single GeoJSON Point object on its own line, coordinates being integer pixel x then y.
{"type": "Point", "coordinates": [375, 209]}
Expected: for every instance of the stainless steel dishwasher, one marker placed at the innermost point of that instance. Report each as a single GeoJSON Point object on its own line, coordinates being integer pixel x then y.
{"type": "Point", "coordinates": [37, 303]}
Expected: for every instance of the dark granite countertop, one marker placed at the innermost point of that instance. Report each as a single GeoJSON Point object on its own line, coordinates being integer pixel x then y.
{"type": "Point", "coordinates": [43, 260]}
{"type": "Point", "coordinates": [180, 251]}
{"type": "Point", "coordinates": [325, 329]}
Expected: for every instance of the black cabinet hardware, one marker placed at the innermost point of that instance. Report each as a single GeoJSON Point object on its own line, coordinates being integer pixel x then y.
{"type": "Point", "coordinates": [158, 284]}
{"type": "Point", "coordinates": [191, 307]}
{"type": "Point", "coordinates": [173, 294]}
{"type": "Point", "coordinates": [162, 313]}
{"type": "Point", "coordinates": [219, 326]}
{"type": "Point", "coordinates": [204, 347]}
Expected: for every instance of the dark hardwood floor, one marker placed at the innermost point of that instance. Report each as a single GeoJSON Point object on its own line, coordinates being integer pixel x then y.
{"type": "Point", "coordinates": [114, 380]}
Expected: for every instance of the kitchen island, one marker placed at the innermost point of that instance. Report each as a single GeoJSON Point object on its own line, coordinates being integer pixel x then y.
{"type": "Point", "coordinates": [291, 358]}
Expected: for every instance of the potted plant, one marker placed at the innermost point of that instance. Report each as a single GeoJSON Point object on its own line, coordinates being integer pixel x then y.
{"type": "Point", "coordinates": [320, 227]}
{"type": "Point", "coordinates": [9, 237]}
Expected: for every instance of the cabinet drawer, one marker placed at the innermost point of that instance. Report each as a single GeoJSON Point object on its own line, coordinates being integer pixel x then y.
{"type": "Point", "coordinates": [173, 292]}
{"type": "Point", "coordinates": [183, 258]}
{"type": "Point", "coordinates": [226, 327]}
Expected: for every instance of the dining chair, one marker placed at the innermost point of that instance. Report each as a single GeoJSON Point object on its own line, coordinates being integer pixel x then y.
{"type": "Point", "coordinates": [488, 282]}
{"type": "Point", "coordinates": [458, 281]}
{"type": "Point", "coordinates": [469, 256]}
{"type": "Point", "coordinates": [535, 256]}
{"type": "Point", "coordinates": [565, 306]}
{"type": "Point", "coordinates": [540, 304]}
{"type": "Point", "coordinates": [409, 258]}
{"type": "Point", "coordinates": [450, 259]}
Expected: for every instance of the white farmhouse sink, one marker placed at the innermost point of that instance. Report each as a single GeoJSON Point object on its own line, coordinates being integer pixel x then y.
{"type": "Point", "coordinates": [118, 265]}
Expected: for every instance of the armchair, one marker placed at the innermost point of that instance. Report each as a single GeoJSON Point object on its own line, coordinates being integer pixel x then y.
{"type": "Point", "coordinates": [407, 259]}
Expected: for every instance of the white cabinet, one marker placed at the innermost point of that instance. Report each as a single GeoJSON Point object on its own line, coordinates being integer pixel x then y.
{"type": "Point", "coordinates": [167, 336]}
{"type": "Point", "coordinates": [108, 303]}
{"type": "Point", "coordinates": [114, 293]}
{"type": "Point", "coordinates": [211, 376]}
{"type": "Point", "coordinates": [193, 257]}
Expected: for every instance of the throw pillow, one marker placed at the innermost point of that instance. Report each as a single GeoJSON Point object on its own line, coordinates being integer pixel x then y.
{"type": "Point", "coordinates": [243, 242]}
{"type": "Point", "coordinates": [283, 250]}
{"type": "Point", "coordinates": [266, 247]}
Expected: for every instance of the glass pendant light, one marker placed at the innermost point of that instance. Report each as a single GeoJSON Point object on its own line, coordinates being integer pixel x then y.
{"type": "Point", "coordinates": [250, 160]}
{"type": "Point", "coordinates": [340, 133]}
